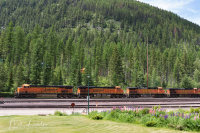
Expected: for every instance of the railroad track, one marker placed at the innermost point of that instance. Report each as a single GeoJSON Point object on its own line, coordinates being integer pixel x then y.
{"type": "Point", "coordinates": [100, 103]}
{"type": "Point", "coordinates": [13, 100]}
{"type": "Point", "coordinates": [99, 106]}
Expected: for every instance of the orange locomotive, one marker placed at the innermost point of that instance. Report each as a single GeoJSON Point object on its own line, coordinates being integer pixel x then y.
{"type": "Point", "coordinates": [34, 90]}
{"type": "Point", "coordinates": [151, 91]}
{"type": "Point", "coordinates": [31, 91]}
{"type": "Point", "coordinates": [183, 92]}
{"type": "Point", "coordinates": [100, 91]}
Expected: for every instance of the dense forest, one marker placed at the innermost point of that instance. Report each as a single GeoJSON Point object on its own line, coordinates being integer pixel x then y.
{"type": "Point", "coordinates": [51, 42]}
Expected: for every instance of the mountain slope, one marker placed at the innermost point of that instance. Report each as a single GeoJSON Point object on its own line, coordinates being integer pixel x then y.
{"type": "Point", "coordinates": [49, 41]}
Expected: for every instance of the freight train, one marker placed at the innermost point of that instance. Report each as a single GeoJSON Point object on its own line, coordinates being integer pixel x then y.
{"type": "Point", "coordinates": [32, 91]}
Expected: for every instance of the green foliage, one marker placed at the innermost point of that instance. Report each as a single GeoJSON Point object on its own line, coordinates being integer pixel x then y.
{"type": "Point", "coordinates": [144, 111]}
{"type": "Point", "coordinates": [95, 115]}
{"type": "Point", "coordinates": [117, 75]}
{"type": "Point", "coordinates": [157, 118]}
{"type": "Point", "coordinates": [187, 82]}
{"type": "Point", "coordinates": [108, 40]}
{"type": "Point", "coordinates": [156, 107]}
{"type": "Point", "coordinates": [6, 94]}
{"type": "Point", "coordinates": [180, 110]}
{"type": "Point", "coordinates": [58, 113]}
{"type": "Point", "coordinates": [151, 124]}
{"type": "Point", "coordinates": [3, 77]}
{"type": "Point", "coordinates": [195, 110]}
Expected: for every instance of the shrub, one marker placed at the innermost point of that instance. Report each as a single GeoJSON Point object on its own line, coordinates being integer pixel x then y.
{"type": "Point", "coordinates": [158, 113]}
{"type": "Point", "coordinates": [181, 111]}
{"type": "Point", "coordinates": [6, 94]}
{"type": "Point", "coordinates": [192, 110]}
{"type": "Point", "coordinates": [156, 107]}
{"type": "Point", "coordinates": [179, 127]}
{"type": "Point", "coordinates": [196, 110]}
{"type": "Point", "coordinates": [144, 119]}
{"type": "Point", "coordinates": [97, 117]}
{"type": "Point", "coordinates": [144, 111]}
{"type": "Point", "coordinates": [115, 113]}
{"type": "Point", "coordinates": [126, 117]}
{"type": "Point", "coordinates": [58, 113]}
{"type": "Point", "coordinates": [156, 117]}
{"type": "Point", "coordinates": [151, 124]}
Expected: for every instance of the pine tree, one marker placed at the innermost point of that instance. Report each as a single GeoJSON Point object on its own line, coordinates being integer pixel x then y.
{"type": "Point", "coordinates": [140, 79]}
{"type": "Point", "coordinates": [116, 68]}
{"type": "Point", "coordinates": [36, 62]}
{"type": "Point", "coordinates": [87, 76]}
{"type": "Point", "coordinates": [176, 71]}
{"type": "Point", "coordinates": [18, 45]}
{"type": "Point", "coordinates": [78, 77]}
{"type": "Point", "coordinates": [186, 82]}
{"type": "Point", "coordinates": [19, 77]}
{"type": "Point", "coordinates": [27, 69]}
{"type": "Point", "coordinates": [3, 77]}
{"type": "Point", "coordinates": [47, 69]}
{"type": "Point", "coordinates": [74, 66]}
{"type": "Point", "coordinates": [197, 76]}
{"type": "Point", "coordinates": [57, 77]}
{"type": "Point", "coordinates": [9, 42]}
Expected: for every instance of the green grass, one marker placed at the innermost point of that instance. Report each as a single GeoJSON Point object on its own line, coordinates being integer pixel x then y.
{"type": "Point", "coordinates": [70, 124]}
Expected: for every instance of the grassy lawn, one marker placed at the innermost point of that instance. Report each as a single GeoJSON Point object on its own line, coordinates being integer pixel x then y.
{"type": "Point", "coordinates": [70, 124]}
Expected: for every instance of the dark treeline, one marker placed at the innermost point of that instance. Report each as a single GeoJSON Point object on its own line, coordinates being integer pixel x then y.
{"type": "Point", "coordinates": [49, 42]}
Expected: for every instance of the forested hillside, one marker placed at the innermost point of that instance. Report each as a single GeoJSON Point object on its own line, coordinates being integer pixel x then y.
{"type": "Point", "coordinates": [49, 41]}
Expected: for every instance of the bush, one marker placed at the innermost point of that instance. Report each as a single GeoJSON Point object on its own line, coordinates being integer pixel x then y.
{"type": "Point", "coordinates": [144, 119]}
{"type": "Point", "coordinates": [115, 113]}
{"type": "Point", "coordinates": [179, 127]}
{"type": "Point", "coordinates": [156, 107]}
{"type": "Point", "coordinates": [58, 113]}
{"type": "Point", "coordinates": [181, 119]}
{"type": "Point", "coordinates": [6, 94]}
{"type": "Point", "coordinates": [95, 115]}
{"type": "Point", "coordinates": [151, 124]}
{"type": "Point", "coordinates": [181, 111]}
{"type": "Point", "coordinates": [196, 110]}
{"type": "Point", "coordinates": [144, 111]}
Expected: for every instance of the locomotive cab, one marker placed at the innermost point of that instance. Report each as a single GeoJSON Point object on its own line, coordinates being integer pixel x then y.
{"type": "Point", "coordinates": [25, 86]}
{"type": "Point", "coordinates": [17, 92]}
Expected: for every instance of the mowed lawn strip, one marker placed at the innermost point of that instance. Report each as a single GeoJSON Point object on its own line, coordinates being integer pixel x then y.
{"type": "Point", "coordinates": [70, 124]}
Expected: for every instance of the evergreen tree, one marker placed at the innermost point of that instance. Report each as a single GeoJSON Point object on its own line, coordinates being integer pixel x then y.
{"type": "Point", "coordinates": [26, 69]}
{"type": "Point", "coordinates": [78, 77]}
{"type": "Point", "coordinates": [36, 62]}
{"type": "Point", "coordinates": [177, 72]}
{"type": "Point", "coordinates": [87, 76]}
{"type": "Point", "coordinates": [187, 82]}
{"type": "Point", "coordinates": [3, 77]}
{"type": "Point", "coordinates": [9, 42]}
{"type": "Point", "coordinates": [116, 69]}
{"type": "Point", "coordinates": [196, 76]}
{"type": "Point", "coordinates": [58, 77]}
{"type": "Point", "coordinates": [140, 79]}
{"type": "Point", "coordinates": [19, 77]}
{"type": "Point", "coordinates": [18, 45]}
{"type": "Point", "coordinates": [47, 76]}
